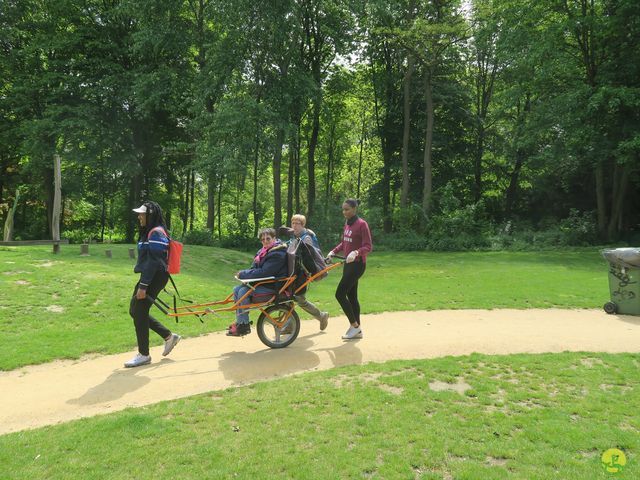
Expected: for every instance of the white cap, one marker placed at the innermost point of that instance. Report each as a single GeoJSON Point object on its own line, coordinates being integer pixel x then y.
{"type": "Point", "coordinates": [141, 209]}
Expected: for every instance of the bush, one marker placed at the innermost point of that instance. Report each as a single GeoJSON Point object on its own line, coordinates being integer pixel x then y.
{"type": "Point", "coordinates": [459, 227]}
{"type": "Point", "coordinates": [402, 242]}
{"type": "Point", "coordinates": [81, 235]}
{"type": "Point", "coordinates": [578, 229]}
{"type": "Point", "coordinates": [237, 242]}
{"type": "Point", "coordinates": [199, 237]}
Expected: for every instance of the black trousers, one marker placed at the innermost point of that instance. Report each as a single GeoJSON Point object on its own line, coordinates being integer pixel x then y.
{"type": "Point", "coordinates": [139, 311]}
{"type": "Point", "coordinates": [347, 291]}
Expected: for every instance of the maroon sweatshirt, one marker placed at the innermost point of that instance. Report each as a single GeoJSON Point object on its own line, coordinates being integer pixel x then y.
{"type": "Point", "coordinates": [355, 237]}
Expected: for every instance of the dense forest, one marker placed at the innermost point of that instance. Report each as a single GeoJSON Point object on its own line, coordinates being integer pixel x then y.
{"type": "Point", "coordinates": [458, 124]}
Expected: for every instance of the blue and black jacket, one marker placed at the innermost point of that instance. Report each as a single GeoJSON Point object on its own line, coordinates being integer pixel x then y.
{"type": "Point", "coordinates": [273, 264]}
{"type": "Point", "coordinates": [153, 252]}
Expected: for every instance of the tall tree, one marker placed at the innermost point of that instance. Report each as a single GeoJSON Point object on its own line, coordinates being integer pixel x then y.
{"type": "Point", "coordinates": [328, 29]}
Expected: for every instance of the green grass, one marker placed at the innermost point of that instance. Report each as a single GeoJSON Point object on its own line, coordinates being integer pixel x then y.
{"type": "Point", "coordinates": [66, 305]}
{"type": "Point", "coordinates": [524, 417]}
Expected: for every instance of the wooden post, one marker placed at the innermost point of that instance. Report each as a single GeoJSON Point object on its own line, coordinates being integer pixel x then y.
{"type": "Point", "coordinates": [107, 253]}
{"type": "Point", "coordinates": [132, 253]}
{"type": "Point", "coordinates": [56, 248]}
{"type": "Point", "coordinates": [84, 249]}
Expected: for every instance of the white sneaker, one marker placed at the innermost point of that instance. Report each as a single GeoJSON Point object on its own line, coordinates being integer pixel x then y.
{"type": "Point", "coordinates": [138, 360]}
{"type": "Point", "coordinates": [353, 332]}
{"type": "Point", "coordinates": [324, 320]}
{"type": "Point", "coordinates": [169, 344]}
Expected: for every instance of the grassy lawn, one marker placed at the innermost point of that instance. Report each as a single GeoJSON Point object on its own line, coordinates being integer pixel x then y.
{"type": "Point", "coordinates": [513, 417]}
{"type": "Point", "coordinates": [66, 305]}
{"type": "Point", "coordinates": [476, 417]}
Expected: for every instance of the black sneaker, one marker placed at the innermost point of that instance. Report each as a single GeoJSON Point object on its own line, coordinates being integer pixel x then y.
{"type": "Point", "coordinates": [239, 330]}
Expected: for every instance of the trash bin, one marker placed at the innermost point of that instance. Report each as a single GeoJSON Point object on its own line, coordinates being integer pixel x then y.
{"type": "Point", "coordinates": [624, 281]}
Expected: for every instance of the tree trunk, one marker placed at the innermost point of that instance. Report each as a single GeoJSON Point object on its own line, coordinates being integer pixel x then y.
{"type": "Point", "coordinates": [477, 162]}
{"type": "Point", "coordinates": [134, 199]}
{"type": "Point", "coordinates": [103, 200]}
{"type": "Point", "coordinates": [169, 184]}
{"type": "Point", "coordinates": [404, 195]}
{"type": "Point", "coordinates": [2, 176]}
{"type": "Point", "coordinates": [600, 200]}
{"type": "Point", "coordinates": [362, 138]}
{"type": "Point", "coordinates": [512, 189]}
{"type": "Point", "coordinates": [49, 195]}
{"type": "Point", "coordinates": [193, 196]}
{"type": "Point", "coordinates": [428, 143]}
{"type": "Point", "coordinates": [382, 129]}
{"type": "Point", "coordinates": [240, 188]}
{"type": "Point", "coordinates": [62, 208]}
{"type": "Point", "coordinates": [297, 172]}
{"type": "Point", "coordinates": [290, 182]}
{"type": "Point", "coordinates": [330, 164]}
{"type": "Point", "coordinates": [220, 183]}
{"type": "Point", "coordinates": [621, 182]}
{"type": "Point", "coordinates": [8, 223]}
{"type": "Point", "coordinates": [185, 205]}
{"type": "Point", "coordinates": [256, 158]}
{"type": "Point", "coordinates": [311, 161]}
{"type": "Point", "coordinates": [211, 201]}
{"type": "Point", "coordinates": [487, 67]}
{"type": "Point", "coordinates": [277, 181]}
{"type": "Point", "coordinates": [57, 198]}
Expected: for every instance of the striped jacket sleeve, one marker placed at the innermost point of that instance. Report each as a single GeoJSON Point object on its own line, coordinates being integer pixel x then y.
{"type": "Point", "coordinates": [158, 251]}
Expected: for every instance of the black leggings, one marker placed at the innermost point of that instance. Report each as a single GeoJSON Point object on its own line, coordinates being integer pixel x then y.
{"type": "Point", "coordinates": [347, 291]}
{"type": "Point", "coordinates": [139, 311]}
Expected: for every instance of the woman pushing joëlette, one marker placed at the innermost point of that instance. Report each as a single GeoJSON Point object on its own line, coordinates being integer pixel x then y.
{"type": "Point", "coordinates": [355, 246]}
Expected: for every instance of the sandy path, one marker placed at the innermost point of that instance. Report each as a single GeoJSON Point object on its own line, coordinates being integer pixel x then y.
{"type": "Point", "coordinates": [64, 390]}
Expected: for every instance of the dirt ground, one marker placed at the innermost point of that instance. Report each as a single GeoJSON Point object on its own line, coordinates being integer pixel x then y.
{"type": "Point", "coordinates": [60, 391]}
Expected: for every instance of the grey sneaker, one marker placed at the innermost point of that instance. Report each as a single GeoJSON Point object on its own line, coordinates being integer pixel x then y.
{"type": "Point", "coordinates": [353, 332]}
{"type": "Point", "coordinates": [324, 320]}
{"type": "Point", "coordinates": [138, 361]}
{"type": "Point", "coordinates": [169, 344]}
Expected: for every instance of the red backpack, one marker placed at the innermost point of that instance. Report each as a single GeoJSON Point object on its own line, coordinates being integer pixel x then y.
{"type": "Point", "coordinates": [175, 252]}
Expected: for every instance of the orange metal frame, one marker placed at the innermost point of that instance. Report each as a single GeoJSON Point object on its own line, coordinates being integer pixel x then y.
{"type": "Point", "coordinates": [205, 308]}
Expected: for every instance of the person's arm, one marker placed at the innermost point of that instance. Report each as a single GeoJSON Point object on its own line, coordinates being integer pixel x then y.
{"type": "Point", "coordinates": [158, 246]}
{"type": "Point", "coordinates": [365, 234]}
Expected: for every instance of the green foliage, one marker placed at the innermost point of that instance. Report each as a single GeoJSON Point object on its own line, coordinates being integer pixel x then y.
{"type": "Point", "coordinates": [199, 237]}
{"type": "Point", "coordinates": [466, 228]}
{"type": "Point", "coordinates": [402, 242]}
{"type": "Point", "coordinates": [578, 229]}
{"type": "Point", "coordinates": [81, 235]}
{"type": "Point", "coordinates": [237, 114]}
{"type": "Point", "coordinates": [457, 227]}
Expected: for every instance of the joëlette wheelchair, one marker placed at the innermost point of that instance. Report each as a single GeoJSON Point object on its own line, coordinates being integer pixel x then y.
{"type": "Point", "coordinates": [278, 324]}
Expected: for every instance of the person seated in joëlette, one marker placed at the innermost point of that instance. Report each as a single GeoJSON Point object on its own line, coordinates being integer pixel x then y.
{"type": "Point", "coordinates": [270, 261]}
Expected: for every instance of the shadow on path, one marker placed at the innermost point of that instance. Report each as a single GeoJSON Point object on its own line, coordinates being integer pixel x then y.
{"type": "Point", "coordinates": [346, 354]}
{"type": "Point", "coordinates": [240, 367]}
{"type": "Point", "coordinates": [116, 385]}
